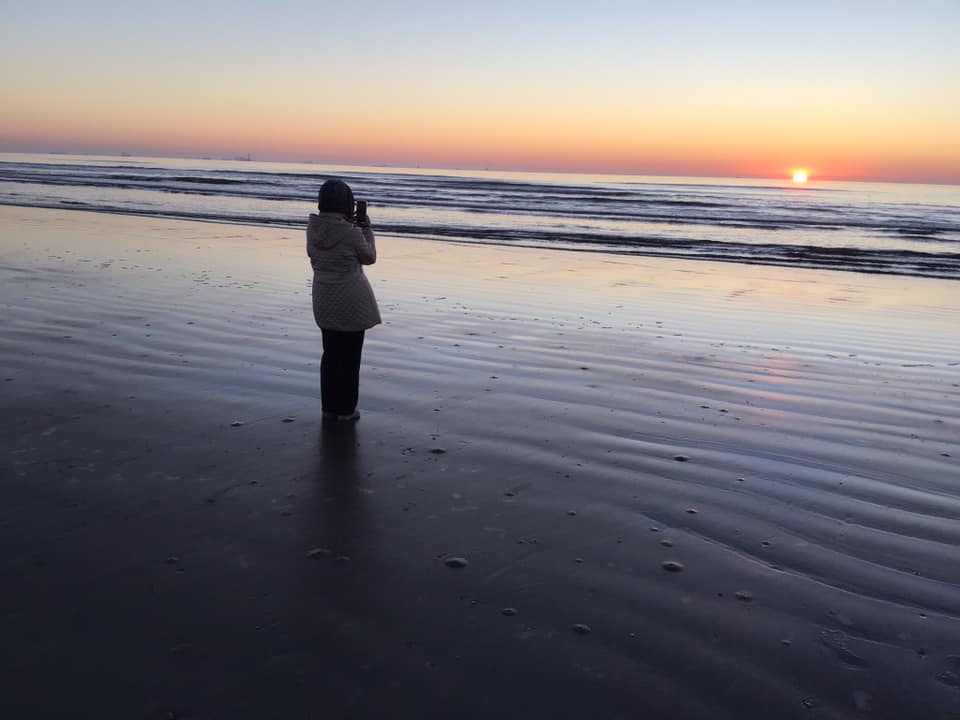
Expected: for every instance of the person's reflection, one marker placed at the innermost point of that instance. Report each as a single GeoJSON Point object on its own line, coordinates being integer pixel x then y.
{"type": "Point", "coordinates": [336, 612]}
{"type": "Point", "coordinates": [340, 493]}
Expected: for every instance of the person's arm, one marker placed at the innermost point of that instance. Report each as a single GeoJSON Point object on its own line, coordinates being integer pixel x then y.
{"type": "Point", "coordinates": [367, 247]}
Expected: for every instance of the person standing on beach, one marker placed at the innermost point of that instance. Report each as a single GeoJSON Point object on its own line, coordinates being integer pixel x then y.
{"type": "Point", "coordinates": [339, 244]}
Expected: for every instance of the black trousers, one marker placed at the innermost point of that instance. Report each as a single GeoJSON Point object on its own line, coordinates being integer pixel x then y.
{"type": "Point", "coordinates": [340, 370]}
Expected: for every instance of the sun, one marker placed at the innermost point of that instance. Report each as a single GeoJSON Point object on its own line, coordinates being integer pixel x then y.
{"type": "Point", "coordinates": [800, 176]}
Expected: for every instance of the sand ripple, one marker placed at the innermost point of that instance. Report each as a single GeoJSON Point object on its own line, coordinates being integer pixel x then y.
{"type": "Point", "coordinates": [815, 515]}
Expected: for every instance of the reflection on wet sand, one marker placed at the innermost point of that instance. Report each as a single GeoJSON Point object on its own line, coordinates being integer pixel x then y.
{"type": "Point", "coordinates": [551, 419]}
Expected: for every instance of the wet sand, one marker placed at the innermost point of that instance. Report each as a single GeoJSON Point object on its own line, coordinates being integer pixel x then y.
{"type": "Point", "coordinates": [680, 489]}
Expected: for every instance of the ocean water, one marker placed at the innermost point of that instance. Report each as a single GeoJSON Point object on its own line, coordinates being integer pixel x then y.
{"type": "Point", "coordinates": [862, 227]}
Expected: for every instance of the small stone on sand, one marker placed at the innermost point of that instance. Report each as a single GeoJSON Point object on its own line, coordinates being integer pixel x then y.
{"type": "Point", "coordinates": [672, 566]}
{"type": "Point", "coordinates": [456, 562]}
{"type": "Point", "coordinates": [581, 629]}
{"type": "Point", "coordinates": [743, 596]}
{"type": "Point", "coordinates": [681, 458]}
{"type": "Point", "coordinates": [509, 612]}
{"type": "Point", "coordinates": [236, 423]}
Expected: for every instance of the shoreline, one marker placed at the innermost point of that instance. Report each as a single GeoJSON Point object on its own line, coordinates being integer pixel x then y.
{"type": "Point", "coordinates": [636, 251]}
{"type": "Point", "coordinates": [894, 230]}
{"type": "Point", "coordinates": [553, 423]}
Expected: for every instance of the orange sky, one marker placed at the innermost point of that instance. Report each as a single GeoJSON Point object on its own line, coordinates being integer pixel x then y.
{"type": "Point", "coordinates": [752, 94]}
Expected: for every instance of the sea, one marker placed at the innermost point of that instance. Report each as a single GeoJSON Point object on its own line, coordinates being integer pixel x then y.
{"type": "Point", "coordinates": [902, 229]}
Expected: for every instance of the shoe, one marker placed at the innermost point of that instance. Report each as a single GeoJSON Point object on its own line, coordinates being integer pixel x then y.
{"type": "Point", "coordinates": [330, 416]}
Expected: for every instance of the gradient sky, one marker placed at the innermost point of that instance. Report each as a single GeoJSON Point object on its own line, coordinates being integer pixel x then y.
{"type": "Point", "coordinates": [858, 89]}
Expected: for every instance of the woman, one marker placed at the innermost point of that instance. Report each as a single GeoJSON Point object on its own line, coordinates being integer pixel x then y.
{"type": "Point", "coordinates": [339, 245]}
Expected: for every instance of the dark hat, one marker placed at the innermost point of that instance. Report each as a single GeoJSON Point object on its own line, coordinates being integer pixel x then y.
{"type": "Point", "coordinates": [336, 196]}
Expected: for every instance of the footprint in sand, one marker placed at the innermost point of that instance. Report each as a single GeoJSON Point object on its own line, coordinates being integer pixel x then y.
{"type": "Point", "coordinates": [836, 641]}
{"type": "Point", "coordinates": [951, 676]}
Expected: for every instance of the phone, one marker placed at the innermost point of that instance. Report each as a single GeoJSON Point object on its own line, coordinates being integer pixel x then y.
{"type": "Point", "coordinates": [361, 211]}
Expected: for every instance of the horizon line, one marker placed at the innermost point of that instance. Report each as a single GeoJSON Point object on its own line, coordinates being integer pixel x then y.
{"type": "Point", "coordinates": [248, 157]}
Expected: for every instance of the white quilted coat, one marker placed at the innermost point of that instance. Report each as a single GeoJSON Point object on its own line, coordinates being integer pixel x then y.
{"type": "Point", "coordinates": [338, 250]}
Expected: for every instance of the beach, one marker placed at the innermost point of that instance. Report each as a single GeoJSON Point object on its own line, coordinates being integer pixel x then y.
{"type": "Point", "coordinates": [582, 484]}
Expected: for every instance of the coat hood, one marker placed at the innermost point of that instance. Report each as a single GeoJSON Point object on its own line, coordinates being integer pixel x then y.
{"type": "Point", "coordinates": [324, 230]}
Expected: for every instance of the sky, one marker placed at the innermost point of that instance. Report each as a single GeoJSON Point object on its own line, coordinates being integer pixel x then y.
{"type": "Point", "coordinates": [859, 89]}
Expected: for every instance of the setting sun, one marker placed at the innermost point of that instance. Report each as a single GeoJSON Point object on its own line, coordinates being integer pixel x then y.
{"type": "Point", "coordinates": [800, 176]}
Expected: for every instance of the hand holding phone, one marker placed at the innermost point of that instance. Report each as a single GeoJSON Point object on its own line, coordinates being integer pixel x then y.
{"type": "Point", "coordinates": [362, 218]}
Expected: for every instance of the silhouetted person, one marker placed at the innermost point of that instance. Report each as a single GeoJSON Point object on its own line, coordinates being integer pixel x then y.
{"type": "Point", "coordinates": [339, 245]}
